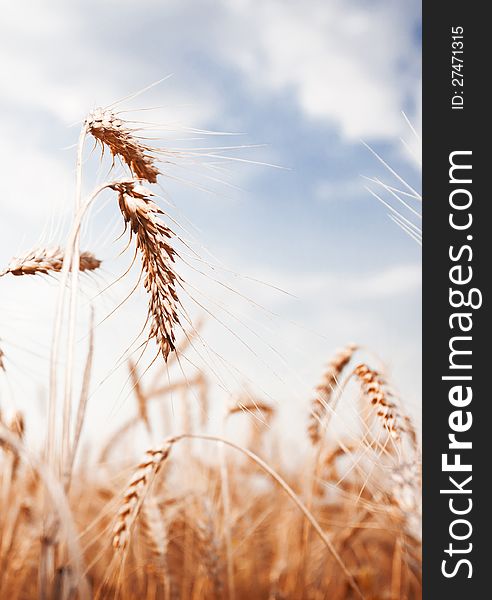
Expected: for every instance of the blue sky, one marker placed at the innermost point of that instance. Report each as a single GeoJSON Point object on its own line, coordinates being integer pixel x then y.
{"type": "Point", "coordinates": [309, 81]}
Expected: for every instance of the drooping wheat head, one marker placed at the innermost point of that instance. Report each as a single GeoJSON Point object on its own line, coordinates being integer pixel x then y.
{"type": "Point", "coordinates": [158, 256]}
{"type": "Point", "coordinates": [121, 140]}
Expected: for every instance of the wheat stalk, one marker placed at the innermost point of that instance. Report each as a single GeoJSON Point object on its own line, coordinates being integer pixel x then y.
{"type": "Point", "coordinates": [47, 260]}
{"type": "Point", "coordinates": [157, 255]}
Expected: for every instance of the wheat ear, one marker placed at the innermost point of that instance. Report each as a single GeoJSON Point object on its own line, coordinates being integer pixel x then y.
{"type": "Point", "coordinates": [325, 391]}
{"type": "Point", "coordinates": [47, 260]}
{"type": "Point", "coordinates": [121, 140]}
{"type": "Point", "coordinates": [210, 550]}
{"type": "Point", "coordinates": [157, 255]}
{"type": "Point", "coordinates": [374, 387]}
{"type": "Point", "coordinates": [135, 494]}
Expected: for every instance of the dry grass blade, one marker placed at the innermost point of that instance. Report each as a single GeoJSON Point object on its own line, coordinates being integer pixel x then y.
{"type": "Point", "coordinates": [325, 391]}
{"type": "Point", "coordinates": [152, 239]}
{"type": "Point", "coordinates": [139, 393]}
{"type": "Point", "coordinates": [47, 260]}
{"type": "Point", "coordinates": [121, 140]}
{"type": "Point", "coordinates": [251, 407]}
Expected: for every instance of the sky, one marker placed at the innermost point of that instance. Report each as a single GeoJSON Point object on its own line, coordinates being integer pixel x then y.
{"type": "Point", "coordinates": [313, 259]}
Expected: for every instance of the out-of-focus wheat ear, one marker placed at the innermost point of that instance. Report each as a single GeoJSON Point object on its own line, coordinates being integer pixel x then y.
{"type": "Point", "coordinates": [406, 493]}
{"type": "Point", "coordinates": [121, 140]}
{"type": "Point", "coordinates": [47, 260]}
{"type": "Point", "coordinates": [374, 388]}
{"type": "Point", "coordinates": [209, 546]}
{"type": "Point", "coordinates": [16, 426]}
{"type": "Point", "coordinates": [135, 493]}
{"type": "Point", "coordinates": [157, 256]}
{"type": "Point", "coordinates": [407, 484]}
{"type": "Point", "coordinates": [325, 393]}
{"type": "Point", "coordinates": [2, 364]}
{"type": "Point", "coordinates": [154, 530]}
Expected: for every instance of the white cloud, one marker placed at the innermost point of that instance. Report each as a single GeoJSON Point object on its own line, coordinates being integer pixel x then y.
{"type": "Point", "coordinates": [346, 62]}
{"type": "Point", "coordinates": [354, 64]}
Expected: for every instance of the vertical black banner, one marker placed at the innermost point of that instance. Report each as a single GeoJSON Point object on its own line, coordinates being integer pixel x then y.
{"type": "Point", "coordinates": [457, 416]}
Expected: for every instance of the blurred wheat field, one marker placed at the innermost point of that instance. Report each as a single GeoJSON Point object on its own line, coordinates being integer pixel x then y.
{"type": "Point", "coordinates": [199, 515]}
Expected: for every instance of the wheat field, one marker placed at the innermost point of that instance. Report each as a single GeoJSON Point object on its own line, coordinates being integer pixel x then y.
{"type": "Point", "coordinates": [199, 515]}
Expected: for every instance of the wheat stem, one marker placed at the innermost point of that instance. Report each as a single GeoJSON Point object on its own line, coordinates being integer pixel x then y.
{"type": "Point", "coordinates": [57, 326]}
{"type": "Point", "coordinates": [72, 315]}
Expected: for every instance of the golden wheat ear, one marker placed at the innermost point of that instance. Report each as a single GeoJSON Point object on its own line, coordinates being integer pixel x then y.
{"type": "Point", "coordinates": [42, 261]}
{"type": "Point", "coordinates": [135, 493]}
{"type": "Point", "coordinates": [388, 411]}
{"type": "Point", "coordinates": [157, 255]}
{"type": "Point", "coordinates": [325, 392]}
{"type": "Point", "coordinates": [121, 140]}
